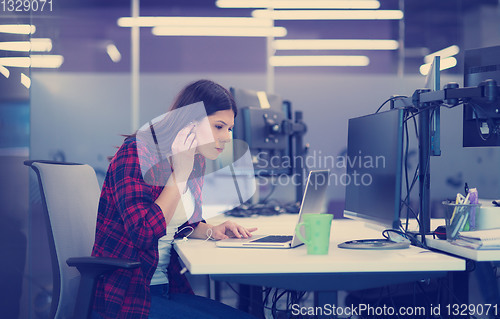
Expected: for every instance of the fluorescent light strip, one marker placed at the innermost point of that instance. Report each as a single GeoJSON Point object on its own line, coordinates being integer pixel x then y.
{"type": "Point", "coordinates": [5, 72]}
{"type": "Point", "coordinates": [220, 32]}
{"type": "Point", "coordinates": [446, 63]}
{"type": "Point", "coordinates": [444, 53]}
{"type": "Point", "coordinates": [25, 80]}
{"type": "Point", "coordinates": [17, 28]}
{"type": "Point", "coordinates": [310, 4]}
{"type": "Point", "coordinates": [319, 60]}
{"type": "Point", "coordinates": [34, 45]}
{"type": "Point", "coordinates": [193, 21]}
{"type": "Point", "coordinates": [113, 53]}
{"type": "Point", "coordinates": [46, 61]}
{"type": "Point", "coordinates": [329, 14]}
{"type": "Point", "coordinates": [19, 46]}
{"type": "Point", "coordinates": [18, 62]}
{"type": "Point", "coordinates": [326, 44]}
{"type": "Point", "coordinates": [41, 45]}
{"type": "Point", "coordinates": [35, 61]}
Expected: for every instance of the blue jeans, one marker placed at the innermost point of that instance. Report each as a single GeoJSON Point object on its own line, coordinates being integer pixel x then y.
{"type": "Point", "coordinates": [185, 306]}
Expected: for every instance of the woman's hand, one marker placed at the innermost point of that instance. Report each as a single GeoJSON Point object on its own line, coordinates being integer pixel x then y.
{"type": "Point", "coordinates": [229, 229]}
{"type": "Point", "coordinates": [183, 150]}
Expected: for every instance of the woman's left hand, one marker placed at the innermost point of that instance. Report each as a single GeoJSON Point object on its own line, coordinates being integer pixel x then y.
{"type": "Point", "coordinates": [230, 229]}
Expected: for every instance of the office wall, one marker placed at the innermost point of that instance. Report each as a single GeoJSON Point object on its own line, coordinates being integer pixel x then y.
{"type": "Point", "coordinates": [80, 117]}
{"type": "Point", "coordinates": [329, 101]}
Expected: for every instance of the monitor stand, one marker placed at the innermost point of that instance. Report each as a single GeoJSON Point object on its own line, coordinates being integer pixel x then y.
{"type": "Point", "coordinates": [374, 244]}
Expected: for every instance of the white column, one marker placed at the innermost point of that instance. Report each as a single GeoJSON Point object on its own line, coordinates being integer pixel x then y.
{"type": "Point", "coordinates": [401, 40]}
{"type": "Point", "coordinates": [269, 53]}
{"type": "Point", "coordinates": [135, 64]}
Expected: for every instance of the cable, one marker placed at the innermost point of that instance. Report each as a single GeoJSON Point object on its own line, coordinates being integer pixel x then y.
{"type": "Point", "coordinates": [405, 124]}
{"type": "Point", "coordinates": [185, 237]}
{"type": "Point", "coordinates": [390, 99]}
{"type": "Point", "coordinates": [408, 236]}
{"type": "Point", "coordinates": [432, 106]}
{"type": "Point", "coordinates": [409, 188]}
{"type": "Point", "coordinates": [478, 125]}
{"type": "Point", "coordinates": [266, 290]}
{"type": "Point", "coordinates": [427, 165]}
{"type": "Point", "coordinates": [264, 200]}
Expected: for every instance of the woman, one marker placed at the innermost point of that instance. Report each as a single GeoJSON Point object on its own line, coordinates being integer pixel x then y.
{"type": "Point", "coordinates": [151, 195]}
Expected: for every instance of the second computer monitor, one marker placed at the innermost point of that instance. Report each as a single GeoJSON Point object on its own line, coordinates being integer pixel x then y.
{"type": "Point", "coordinates": [374, 168]}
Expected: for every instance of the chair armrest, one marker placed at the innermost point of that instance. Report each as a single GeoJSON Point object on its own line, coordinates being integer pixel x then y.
{"type": "Point", "coordinates": [102, 262]}
{"type": "Point", "coordinates": [91, 268]}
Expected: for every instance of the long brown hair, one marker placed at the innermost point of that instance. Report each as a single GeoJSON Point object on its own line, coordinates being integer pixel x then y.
{"type": "Point", "coordinates": [214, 97]}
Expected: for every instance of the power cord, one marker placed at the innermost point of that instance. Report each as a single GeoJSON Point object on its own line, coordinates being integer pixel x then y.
{"type": "Point", "coordinates": [185, 239]}
{"type": "Point", "coordinates": [397, 97]}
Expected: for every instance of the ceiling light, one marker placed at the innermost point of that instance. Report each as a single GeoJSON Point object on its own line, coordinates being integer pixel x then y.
{"type": "Point", "coordinates": [34, 45]}
{"type": "Point", "coordinates": [4, 71]}
{"type": "Point", "coordinates": [34, 61]}
{"type": "Point", "coordinates": [446, 63]}
{"type": "Point", "coordinates": [325, 44]}
{"type": "Point", "coordinates": [294, 4]}
{"type": "Point", "coordinates": [25, 80]}
{"type": "Point", "coordinates": [220, 32]}
{"type": "Point", "coordinates": [193, 21]}
{"type": "Point", "coordinates": [444, 53]}
{"type": "Point", "coordinates": [46, 61]}
{"type": "Point", "coordinates": [18, 62]}
{"type": "Point", "coordinates": [319, 60]}
{"type": "Point", "coordinates": [41, 45]}
{"type": "Point", "coordinates": [113, 53]}
{"type": "Point", "coordinates": [20, 46]}
{"type": "Point", "coordinates": [17, 28]}
{"type": "Point", "coordinates": [329, 14]}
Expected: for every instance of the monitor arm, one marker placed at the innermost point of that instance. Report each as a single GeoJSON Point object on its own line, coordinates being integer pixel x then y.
{"type": "Point", "coordinates": [424, 100]}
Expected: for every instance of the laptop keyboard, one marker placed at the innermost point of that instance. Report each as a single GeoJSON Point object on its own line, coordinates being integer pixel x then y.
{"type": "Point", "coordinates": [273, 239]}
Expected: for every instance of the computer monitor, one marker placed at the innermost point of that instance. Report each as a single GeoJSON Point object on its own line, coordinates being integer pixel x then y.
{"type": "Point", "coordinates": [260, 123]}
{"type": "Point", "coordinates": [481, 119]}
{"type": "Point", "coordinates": [374, 168]}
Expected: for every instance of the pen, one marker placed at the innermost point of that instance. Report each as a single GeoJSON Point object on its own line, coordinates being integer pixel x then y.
{"type": "Point", "coordinates": [458, 200]}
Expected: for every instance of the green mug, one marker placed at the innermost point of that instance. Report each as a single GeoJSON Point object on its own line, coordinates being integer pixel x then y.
{"type": "Point", "coordinates": [317, 228]}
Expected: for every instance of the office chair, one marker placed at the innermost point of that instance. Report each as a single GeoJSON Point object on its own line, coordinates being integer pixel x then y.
{"type": "Point", "coordinates": [70, 196]}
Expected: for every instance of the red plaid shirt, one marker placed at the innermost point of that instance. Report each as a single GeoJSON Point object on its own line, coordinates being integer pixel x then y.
{"type": "Point", "coordinates": [129, 224]}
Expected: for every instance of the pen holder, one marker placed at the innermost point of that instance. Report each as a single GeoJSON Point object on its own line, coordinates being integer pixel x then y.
{"type": "Point", "coordinates": [459, 218]}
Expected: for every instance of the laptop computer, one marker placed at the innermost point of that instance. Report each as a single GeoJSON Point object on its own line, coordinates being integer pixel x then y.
{"type": "Point", "coordinates": [313, 202]}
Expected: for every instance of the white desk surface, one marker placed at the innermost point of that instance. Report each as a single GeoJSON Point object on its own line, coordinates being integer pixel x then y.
{"type": "Point", "coordinates": [203, 257]}
{"type": "Point", "coordinates": [465, 252]}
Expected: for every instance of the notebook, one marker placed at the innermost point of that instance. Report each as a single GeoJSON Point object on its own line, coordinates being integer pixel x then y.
{"type": "Point", "coordinates": [313, 202]}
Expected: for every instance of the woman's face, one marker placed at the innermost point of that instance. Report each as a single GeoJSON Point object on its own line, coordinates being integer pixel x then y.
{"type": "Point", "coordinates": [213, 132]}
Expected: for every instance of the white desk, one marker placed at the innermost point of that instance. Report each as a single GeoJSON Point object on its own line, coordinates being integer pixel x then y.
{"type": "Point", "coordinates": [203, 257]}
{"type": "Point", "coordinates": [341, 269]}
